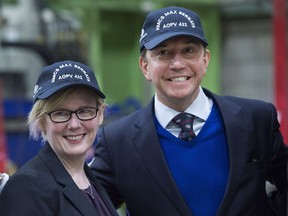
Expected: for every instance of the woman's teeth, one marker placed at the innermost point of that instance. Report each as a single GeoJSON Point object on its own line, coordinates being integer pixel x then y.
{"type": "Point", "coordinates": [74, 137]}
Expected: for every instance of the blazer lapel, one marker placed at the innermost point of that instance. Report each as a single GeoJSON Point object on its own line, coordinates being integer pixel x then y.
{"type": "Point", "coordinates": [70, 190]}
{"type": "Point", "coordinates": [100, 189]}
{"type": "Point", "coordinates": [236, 128]}
{"type": "Point", "coordinates": [76, 197]}
{"type": "Point", "coordinates": [149, 149]}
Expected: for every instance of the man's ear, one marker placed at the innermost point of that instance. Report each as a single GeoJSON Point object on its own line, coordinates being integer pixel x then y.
{"type": "Point", "coordinates": [143, 63]}
{"type": "Point", "coordinates": [207, 58]}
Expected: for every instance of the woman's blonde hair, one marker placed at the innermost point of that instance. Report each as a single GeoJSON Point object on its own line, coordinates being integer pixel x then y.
{"type": "Point", "coordinates": [35, 119]}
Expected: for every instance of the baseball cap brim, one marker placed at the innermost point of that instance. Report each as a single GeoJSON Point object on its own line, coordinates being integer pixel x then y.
{"type": "Point", "coordinates": [55, 89]}
{"type": "Point", "coordinates": [156, 41]}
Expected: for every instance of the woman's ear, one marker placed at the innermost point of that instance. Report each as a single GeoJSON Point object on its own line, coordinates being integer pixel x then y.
{"type": "Point", "coordinates": [101, 112]}
{"type": "Point", "coordinates": [42, 125]}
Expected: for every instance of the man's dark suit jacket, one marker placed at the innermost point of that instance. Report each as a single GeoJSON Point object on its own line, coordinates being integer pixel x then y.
{"type": "Point", "coordinates": [44, 188]}
{"type": "Point", "coordinates": [130, 163]}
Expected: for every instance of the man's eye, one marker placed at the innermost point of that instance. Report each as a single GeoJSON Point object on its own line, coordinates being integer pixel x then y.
{"type": "Point", "coordinates": [163, 53]}
{"type": "Point", "coordinates": [188, 50]}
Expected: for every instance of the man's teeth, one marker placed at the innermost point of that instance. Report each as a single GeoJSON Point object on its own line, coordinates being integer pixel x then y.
{"type": "Point", "coordinates": [74, 137]}
{"type": "Point", "coordinates": [179, 79]}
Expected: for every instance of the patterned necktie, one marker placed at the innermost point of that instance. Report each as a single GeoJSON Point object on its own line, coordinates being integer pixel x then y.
{"type": "Point", "coordinates": [185, 121]}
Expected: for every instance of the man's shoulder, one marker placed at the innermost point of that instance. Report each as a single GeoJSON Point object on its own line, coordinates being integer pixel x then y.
{"type": "Point", "coordinates": [238, 100]}
{"type": "Point", "coordinates": [249, 102]}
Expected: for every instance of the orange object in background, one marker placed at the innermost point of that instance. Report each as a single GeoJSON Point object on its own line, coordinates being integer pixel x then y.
{"type": "Point", "coordinates": [280, 63]}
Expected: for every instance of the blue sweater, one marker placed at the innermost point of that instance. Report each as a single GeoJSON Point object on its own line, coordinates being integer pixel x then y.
{"type": "Point", "coordinates": [199, 167]}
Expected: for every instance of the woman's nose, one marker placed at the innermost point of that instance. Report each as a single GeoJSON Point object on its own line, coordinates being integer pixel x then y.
{"type": "Point", "coordinates": [74, 122]}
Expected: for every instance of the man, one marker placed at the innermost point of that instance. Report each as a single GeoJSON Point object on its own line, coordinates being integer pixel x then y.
{"type": "Point", "coordinates": [217, 165]}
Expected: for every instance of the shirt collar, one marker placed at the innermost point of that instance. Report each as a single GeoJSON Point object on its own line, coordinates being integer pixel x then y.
{"type": "Point", "coordinates": [201, 108]}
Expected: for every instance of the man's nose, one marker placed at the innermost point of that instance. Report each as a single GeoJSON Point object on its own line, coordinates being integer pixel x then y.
{"type": "Point", "coordinates": [177, 61]}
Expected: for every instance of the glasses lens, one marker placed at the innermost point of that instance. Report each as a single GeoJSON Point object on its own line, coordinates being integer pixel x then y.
{"type": "Point", "coordinates": [84, 114]}
{"type": "Point", "coordinates": [60, 115]}
{"type": "Point", "coordinates": [87, 113]}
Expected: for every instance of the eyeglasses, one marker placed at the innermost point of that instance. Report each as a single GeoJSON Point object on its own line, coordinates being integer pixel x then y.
{"type": "Point", "coordinates": [83, 114]}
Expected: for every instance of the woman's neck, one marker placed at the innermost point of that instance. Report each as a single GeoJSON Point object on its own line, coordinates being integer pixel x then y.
{"type": "Point", "coordinates": [76, 170]}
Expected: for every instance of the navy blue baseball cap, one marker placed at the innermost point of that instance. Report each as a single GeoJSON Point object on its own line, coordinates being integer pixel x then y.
{"type": "Point", "coordinates": [64, 74]}
{"type": "Point", "coordinates": [169, 22]}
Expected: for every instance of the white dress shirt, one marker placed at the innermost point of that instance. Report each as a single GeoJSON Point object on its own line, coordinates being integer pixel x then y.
{"type": "Point", "coordinates": [200, 108]}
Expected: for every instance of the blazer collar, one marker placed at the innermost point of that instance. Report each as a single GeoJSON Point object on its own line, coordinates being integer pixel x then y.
{"type": "Point", "coordinates": [236, 126]}
{"type": "Point", "coordinates": [145, 140]}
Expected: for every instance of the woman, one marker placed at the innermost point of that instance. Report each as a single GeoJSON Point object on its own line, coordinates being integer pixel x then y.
{"type": "Point", "coordinates": [68, 108]}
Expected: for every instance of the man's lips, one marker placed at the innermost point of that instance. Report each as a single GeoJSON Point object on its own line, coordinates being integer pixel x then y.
{"type": "Point", "coordinates": [179, 79]}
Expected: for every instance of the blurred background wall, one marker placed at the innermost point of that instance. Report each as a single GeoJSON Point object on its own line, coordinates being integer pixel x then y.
{"type": "Point", "coordinates": [247, 40]}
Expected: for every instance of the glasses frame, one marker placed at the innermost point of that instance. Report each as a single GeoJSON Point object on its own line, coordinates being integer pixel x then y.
{"type": "Point", "coordinates": [71, 112]}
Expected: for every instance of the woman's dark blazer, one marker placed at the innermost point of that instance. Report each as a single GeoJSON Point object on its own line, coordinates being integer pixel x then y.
{"type": "Point", "coordinates": [130, 163]}
{"type": "Point", "coordinates": [43, 187]}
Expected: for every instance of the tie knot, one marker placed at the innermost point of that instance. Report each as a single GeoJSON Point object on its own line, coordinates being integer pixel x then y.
{"type": "Point", "coordinates": [185, 121]}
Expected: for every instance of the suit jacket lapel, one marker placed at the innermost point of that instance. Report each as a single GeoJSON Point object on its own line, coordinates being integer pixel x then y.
{"type": "Point", "coordinates": [236, 128]}
{"type": "Point", "coordinates": [149, 150]}
{"type": "Point", "coordinates": [70, 190]}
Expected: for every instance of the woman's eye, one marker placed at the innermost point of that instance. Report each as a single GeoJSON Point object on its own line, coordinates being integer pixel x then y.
{"type": "Point", "coordinates": [61, 113]}
{"type": "Point", "coordinates": [85, 110]}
